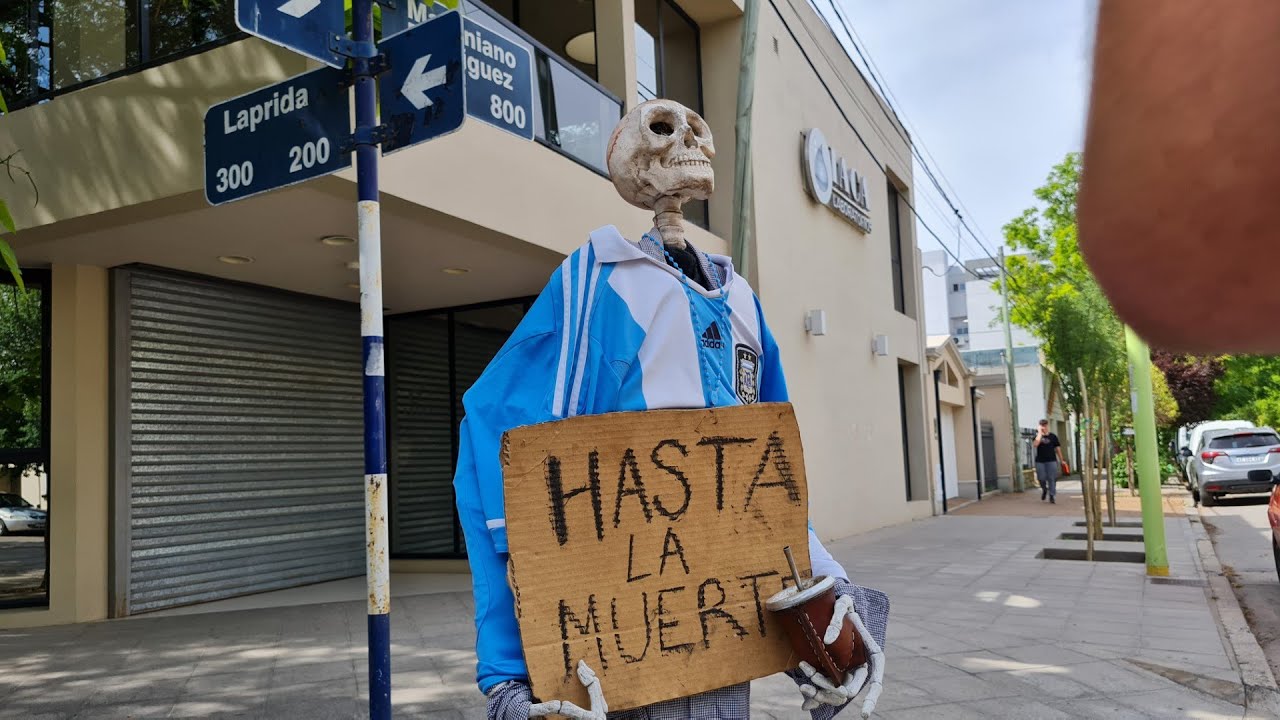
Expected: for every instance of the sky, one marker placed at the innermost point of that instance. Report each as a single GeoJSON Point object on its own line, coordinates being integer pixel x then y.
{"type": "Point", "coordinates": [994, 90]}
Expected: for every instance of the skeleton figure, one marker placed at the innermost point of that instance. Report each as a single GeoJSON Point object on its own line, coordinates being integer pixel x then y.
{"type": "Point", "coordinates": [659, 159]}
{"type": "Point", "coordinates": [626, 326]}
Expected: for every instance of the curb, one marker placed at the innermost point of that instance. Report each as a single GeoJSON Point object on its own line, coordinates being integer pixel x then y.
{"type": "Point", "coordinates": [1260, 689]}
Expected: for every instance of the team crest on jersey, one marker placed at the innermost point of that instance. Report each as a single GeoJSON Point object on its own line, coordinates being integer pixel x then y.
{"type": "Point", "coordinates": [747, 371]}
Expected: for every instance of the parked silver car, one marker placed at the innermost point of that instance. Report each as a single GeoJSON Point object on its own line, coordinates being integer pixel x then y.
{"type": "Point", "coordinates": [1222, 462]}
{"type": "Point", "coordinates": [17, 515]}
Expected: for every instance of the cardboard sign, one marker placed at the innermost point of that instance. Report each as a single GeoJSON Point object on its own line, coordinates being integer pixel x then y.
{"type": "Point", "coordinates": [646, 543]}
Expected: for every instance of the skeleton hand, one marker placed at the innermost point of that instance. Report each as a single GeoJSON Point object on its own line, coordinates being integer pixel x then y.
{"type": "Point", "coordinates": [821, 691]}
{"type": "Point", "coordinates": [599, 708]}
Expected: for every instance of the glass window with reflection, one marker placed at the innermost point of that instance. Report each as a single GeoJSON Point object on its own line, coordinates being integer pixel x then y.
{"type": "Point", "coordinates": [24, 449]}
{"type": "Point", "coordinates": [175, 26]}
{"type": "Point", "coordinates": [668, 56]}
{"type": "Point", "coordinates": [55, 45]}
{"type": "Point", "coordinates": [669, 65]}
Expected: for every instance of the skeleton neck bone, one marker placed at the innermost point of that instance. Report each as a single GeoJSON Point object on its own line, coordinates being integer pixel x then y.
{"type": "Point", "coordinates": [668, 217]}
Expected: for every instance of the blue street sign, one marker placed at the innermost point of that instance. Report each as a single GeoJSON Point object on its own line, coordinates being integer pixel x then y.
{"type": "Point", "coordinates": [499, 80]}
{"type": "Point", "coordinates": [422, 96]}
{"type": "Point", "coordinates": [308, 27]}
{"type": "Point", "coordinates": [408, 13]}
{"type": "Point", "coordinates": [279, 135]}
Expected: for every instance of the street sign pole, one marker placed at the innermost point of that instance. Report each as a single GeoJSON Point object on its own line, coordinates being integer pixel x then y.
{"type": "Point", "coordinates": [377, 571]}
{"type": "Point", "coordinates": [298, 129]}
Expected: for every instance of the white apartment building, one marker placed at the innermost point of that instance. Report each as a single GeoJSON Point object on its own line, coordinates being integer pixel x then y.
{"type": "Point", "coordinates": [962, 301]}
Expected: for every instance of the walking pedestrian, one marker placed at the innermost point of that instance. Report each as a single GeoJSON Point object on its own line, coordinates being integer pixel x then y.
{"type": "Point", "coordinates": [1048, 460]}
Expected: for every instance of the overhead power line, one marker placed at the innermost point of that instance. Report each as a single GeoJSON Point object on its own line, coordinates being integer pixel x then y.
{"type": "Point", "coordinates": [899, 120]}
{"type": "Point", "coordinates": [858, 134]}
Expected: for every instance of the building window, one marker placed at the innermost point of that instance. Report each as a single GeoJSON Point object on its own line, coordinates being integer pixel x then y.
{"type": "Point", "coordinates": [174, 26]}
{"type": "Point", "coordinates": [669, 65]}
{"type": "Point", "coordinates": [24, 444]}
{"type": "Point", "coordinates": [56, 45]}
{"type": "Point", "coordinates": [433, 358]}
{"type": "Point", "coordinates": [895, 251]}
{"type": "Point", "coordinates": [567, 27]}
{"type": "Point", "coordinates": [906, 446]}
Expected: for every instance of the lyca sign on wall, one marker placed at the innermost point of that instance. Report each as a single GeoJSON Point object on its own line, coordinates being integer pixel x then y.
{"type": "Point", "coordinates": [833, 182]}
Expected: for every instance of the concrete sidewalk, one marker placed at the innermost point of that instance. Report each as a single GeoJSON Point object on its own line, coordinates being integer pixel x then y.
{"type": "Point", "coordinates": [980, 628]}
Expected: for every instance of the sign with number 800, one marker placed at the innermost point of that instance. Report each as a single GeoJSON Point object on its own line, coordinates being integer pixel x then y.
{"type": "Point", "coordinates": [507, 112]}
{"type": "Point", "coordinates": [499, 78]}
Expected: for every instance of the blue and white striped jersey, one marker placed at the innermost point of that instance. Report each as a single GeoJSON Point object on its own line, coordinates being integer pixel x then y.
{"type": "Point", "coordinates": [615, 329]}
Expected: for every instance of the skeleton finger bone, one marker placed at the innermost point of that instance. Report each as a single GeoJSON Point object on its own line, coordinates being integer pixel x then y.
{"type": "Point", "coordinates": [599, 708]}
{"type": "Point", "coordinates": [876, 661]}
{"type": "Point", "coordinates": [844, 607]}
{"type": "Point", "coordinates": [565, 708]}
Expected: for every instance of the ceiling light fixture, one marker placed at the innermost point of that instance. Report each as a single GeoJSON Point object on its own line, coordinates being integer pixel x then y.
{"type": "Point", "coordinates": [337, 240]}
{"type": "Point", "coordinates": [456, 271]}
{"type": "Point", "coordinates": [354, 286]}
{"type": "Point", "coordinates": [582, 48]}
{"type": "Point", "coordinates": [235, 259]}
{"type": "Point", "coordinates": [353, 265]}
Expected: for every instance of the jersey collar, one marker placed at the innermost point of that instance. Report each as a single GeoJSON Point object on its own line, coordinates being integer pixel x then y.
{"type": "Point", "coordinates": [611, 247]}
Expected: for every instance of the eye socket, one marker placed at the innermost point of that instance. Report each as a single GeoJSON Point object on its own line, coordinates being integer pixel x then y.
{"type": "Point", "coordinates": [662, 127]}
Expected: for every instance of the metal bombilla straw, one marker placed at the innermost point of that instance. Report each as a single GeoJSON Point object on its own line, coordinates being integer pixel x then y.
{"type": "Point", "coordinates": [795, 571]}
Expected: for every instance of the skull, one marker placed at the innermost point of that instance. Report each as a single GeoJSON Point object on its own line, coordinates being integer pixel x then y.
{"type": "Point", "coordinates": [660, 156]}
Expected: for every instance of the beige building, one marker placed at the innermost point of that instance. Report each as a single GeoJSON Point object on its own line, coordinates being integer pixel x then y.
{"type": "Point", "coordinates": [203, 417]}
{"type": "Point", "coordinates": [957, 413]}
{"type": "Point", "coordinates": [997, 422]}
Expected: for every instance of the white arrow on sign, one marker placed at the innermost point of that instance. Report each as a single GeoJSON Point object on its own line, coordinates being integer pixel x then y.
{"type": "Point", "coordinates": [421, 80]}
{"type": "Point", "coordinates": [298, 8]}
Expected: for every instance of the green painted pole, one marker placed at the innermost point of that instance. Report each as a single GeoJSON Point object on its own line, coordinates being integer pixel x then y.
{"type": "Point", "coordinates": [1144, 428]}
{"type": "Point", "coordinates": [743, 180]}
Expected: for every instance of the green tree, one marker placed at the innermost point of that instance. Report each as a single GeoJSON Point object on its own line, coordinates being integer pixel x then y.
{"type": "Point", "coordinates": [1249, 388]}
{"type": "Point", "coordinates": [1167, 410]}
{"type": "Point", "coordinates": [20, 368]}
{"type": "Point", "coordinates": [1166, 405]}
{"type": "Point", "coordinates": [1053, 294]}
{"type": "Point", "coordinates": [6, 218]}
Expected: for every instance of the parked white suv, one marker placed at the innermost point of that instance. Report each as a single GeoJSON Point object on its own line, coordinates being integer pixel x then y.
{"type": "Point", "coordinates": [1195, 436]}
{"type": "Point", "coordinates": [1227, 462]}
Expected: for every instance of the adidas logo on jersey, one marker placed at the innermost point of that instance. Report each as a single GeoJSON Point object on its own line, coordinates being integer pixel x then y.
{"type": "Point", "coordinates": [711, 338]}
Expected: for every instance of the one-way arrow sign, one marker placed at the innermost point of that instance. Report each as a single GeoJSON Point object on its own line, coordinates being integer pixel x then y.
{"type": "Point", "coordinates": [421, 80]}
{"type": "Point", "coordinates": [304, 26]}
{"type": "Point", "coordinates": [298, 8]}
{"type": "Point", "coordinates": [423, 96]}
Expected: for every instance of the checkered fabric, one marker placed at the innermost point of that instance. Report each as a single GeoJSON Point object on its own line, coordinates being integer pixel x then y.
{"type": "Point", "coordinates": [511, 700]}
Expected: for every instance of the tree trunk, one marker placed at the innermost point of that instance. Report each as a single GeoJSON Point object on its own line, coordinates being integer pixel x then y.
{"type": "Point", "coordinates": [1086, 476]}
{"type": "Point", "coordinates": [1133, 473]}
{"type": "Point", "coordinates": [1111, 481]}
{"type": "Point", "coordinates": [1098, 489]}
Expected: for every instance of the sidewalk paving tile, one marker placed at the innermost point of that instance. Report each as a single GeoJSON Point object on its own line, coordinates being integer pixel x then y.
{"type": "Point", "coordinates": [980, 628]}
{"type": "Point", "coordinates": [1046, 655]}
{"type": "Point", "coordinates": [1018, 708]}
{"type": "Point", "coordinates": [1161, 704]}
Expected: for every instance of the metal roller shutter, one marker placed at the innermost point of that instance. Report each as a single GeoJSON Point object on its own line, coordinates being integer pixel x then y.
{"type": "Point", "coordinates": [245, 456]}
{"type": "Point", "coordinates": [421, 428]}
